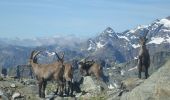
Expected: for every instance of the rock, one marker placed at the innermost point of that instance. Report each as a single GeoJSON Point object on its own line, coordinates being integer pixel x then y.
{"type": "Point", "coordinates": [2, 96]}
{"type": "Point", "coordinates": [16, 95]}
{"type": "Point", "coordinates": [28, 82]}
{"type": "Point", "coordinates": [131, 83]}
{"type": "Point", "coordinates": [13, 85]}
{"type": "Point", "coordinates": [111, 87]}
{"type": "Point", "coordinates": [1, 93]}
{"type": "Point", "coordinates": [89, 85]}
{"type": "Point", "coordinates": [50, 96]}
{"type": "Point", "coordinates": [64, 98]}
{"type": "Point", "coordinates": [78, 95]}
{"type": "Point", "coordinates": [156, 87]}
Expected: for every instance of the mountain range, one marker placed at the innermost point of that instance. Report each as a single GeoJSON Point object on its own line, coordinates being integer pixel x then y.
{"type": "Point", "coordinates": [109, 46]}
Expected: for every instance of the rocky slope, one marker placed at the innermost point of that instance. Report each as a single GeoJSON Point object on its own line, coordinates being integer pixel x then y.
{"type": "Point", "coordinates": [123, 87]}
{"type": "Point", "coordinates": [156, 87]}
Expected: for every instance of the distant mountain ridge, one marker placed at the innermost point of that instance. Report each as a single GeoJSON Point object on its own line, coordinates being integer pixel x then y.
{"type": "Point", "coordinates": [109, 46]}
{"type": "Point", "coordinates": [127, 42]}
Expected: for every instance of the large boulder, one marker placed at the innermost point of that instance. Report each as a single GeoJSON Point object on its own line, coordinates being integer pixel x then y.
{"type": "Point", "coordinates": [3, 96]}
{"type": "Point", "coordinates": [90, 85]}
{"type": "Point", "coordinates": [156, 87]}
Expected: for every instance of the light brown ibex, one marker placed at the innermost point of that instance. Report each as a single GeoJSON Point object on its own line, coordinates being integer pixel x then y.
{"type": "Point", "coordinates": [143, 58]}
{"type": "Point", "coordinates": [47, 72]}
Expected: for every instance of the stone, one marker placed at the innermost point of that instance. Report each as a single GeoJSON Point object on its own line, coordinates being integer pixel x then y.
{"type": "Point", "coordinates": [13, 85]}
{"type": "Point", "coordinates": [16, 95]}
{"type": "Point", "coordinates": [156, 87]}
{"type": "Point", "coordinates": [89, 85]}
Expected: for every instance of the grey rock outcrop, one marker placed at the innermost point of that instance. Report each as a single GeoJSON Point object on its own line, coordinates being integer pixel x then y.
{"type": "Point", "coordinates": [156, 87]}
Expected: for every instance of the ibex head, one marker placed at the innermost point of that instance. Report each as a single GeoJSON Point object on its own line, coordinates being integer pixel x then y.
{"type": "Point", "coordinates": [143, 38]}
{"type": "Point", "coordinates": [84, 66]}
{"type": "Point", "coordinates": [33, 57]}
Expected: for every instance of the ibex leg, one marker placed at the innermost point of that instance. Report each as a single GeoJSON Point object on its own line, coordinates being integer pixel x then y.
{"type": "Point", "coordinates": [44, 86]}
{"type": "Point", "coordinates": [146, 73]}
{"type": "Point", "coordinates": [139, 74]}
{"type": "Point", "coordinates": [40, 87]}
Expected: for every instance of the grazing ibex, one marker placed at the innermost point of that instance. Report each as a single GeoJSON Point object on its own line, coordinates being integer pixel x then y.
{"type": "Point", "coordinates": [143, 58]}
{"type": "Point", "coordinates": [47, 72]}
{"type": "Point", "coordinates": [90, 67]}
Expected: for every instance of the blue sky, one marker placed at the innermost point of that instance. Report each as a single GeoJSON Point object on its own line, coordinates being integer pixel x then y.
{"type": "Point", "coordinates": [47, 18]}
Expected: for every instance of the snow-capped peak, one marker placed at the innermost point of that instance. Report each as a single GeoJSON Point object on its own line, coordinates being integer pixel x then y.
{"type": "Point", "coordinates": [165, 22]}
{"type": "Point", "coordinates": [109, 30]}
{"type": "Point", "coordinates": [137, 28]}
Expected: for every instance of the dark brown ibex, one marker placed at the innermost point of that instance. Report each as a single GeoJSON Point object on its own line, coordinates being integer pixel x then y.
{"type": "Point", "coordinates": [90, 67]}
{"type": "Point", "coordinates": [46, 72]}
{"type": "Point", "coordinates": [143, 58]}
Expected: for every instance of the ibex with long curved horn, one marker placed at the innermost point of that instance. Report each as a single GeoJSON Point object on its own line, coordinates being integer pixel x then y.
{"type": "Point", "coordinates": [143, 58]}
{"type": "Point", "coordinates": [46, 72]}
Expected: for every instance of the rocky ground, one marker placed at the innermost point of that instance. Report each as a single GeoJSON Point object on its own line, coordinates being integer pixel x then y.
{"type": "Point", "coordinates": [119, 87]}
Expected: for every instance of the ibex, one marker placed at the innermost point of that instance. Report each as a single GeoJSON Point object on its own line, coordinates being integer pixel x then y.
{"type": "Point", "coordinates": [143, 58]}
{"type": "Point", "coordinates": [47, 72]}
{"type": "Point", "coordinates": [90, 67]}
{"type": "Point", "coordinates": [68, 78]}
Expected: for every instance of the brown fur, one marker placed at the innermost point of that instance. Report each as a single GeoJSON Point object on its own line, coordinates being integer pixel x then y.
{"type": "Point", "coordinates": [46, 72]}
{"type": "Point", "coordinates": [90, 67]}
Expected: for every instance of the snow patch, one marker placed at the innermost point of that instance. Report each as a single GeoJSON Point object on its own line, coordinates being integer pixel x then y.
{"type": "Point", "coordinates": [110, 35]}
{"type": "Point", "coordinates": [99, 45]}
{"type": "Point", "coordinates": [124, 37]}
{"type": "Point", "coordinates": [166, 22]}
{"type": "Point", "coordinates": [132, 31]}
{"type": "Point", "coordinates": [165, 30]}
{"type": "Point", "coordinates": [133, 37]}
{"type": "Point", "coordinates": [132, 68]}
{"type": "Point", "coordinates": [156, 40]}
{"type": "Point", "coordinates": [135, 58]}
{"type": "Point", "coordinates": [135, 45]}
{"type": "Point", "coordinates": [137, 28]}
{"type": "Point", "coordinates": [90, 47]}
